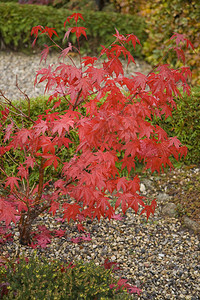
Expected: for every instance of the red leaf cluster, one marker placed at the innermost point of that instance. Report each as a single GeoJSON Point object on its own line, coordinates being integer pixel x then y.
{"type": "Point", "coordinates": [111, 115]}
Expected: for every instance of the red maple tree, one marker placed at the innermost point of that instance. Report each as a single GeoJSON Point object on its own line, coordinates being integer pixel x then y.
{"type": "Point", "coordinates": [112, 115]}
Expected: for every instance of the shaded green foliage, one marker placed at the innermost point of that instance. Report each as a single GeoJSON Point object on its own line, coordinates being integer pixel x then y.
{"type": "Point", "coordinates": [17, 21]}
{"type": "Point", "coordinates": [37, 105]}
{"type": "Point", "coordinates": [163, 18]}
{"type": "Point", "coordinates": [185, 124]}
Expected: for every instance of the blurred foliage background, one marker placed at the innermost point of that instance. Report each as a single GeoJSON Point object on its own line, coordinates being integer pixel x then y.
{"type": "Point", "coordinates": [163, 18]}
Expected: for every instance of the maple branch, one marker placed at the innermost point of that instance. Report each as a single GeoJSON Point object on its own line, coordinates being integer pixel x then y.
{"type": "Point", "coordinates": [159, 62]}
{"type": "Point", "coordinates": [3, 171]}
{"type": "Point", "coordinates": [41, 181]}
{"type": "Point", "coordinates": [129, 102]}
{"type": "Point", "coordinates": [11, 119]}
{"type": "Point", "coordinates": [25, 95]}
{"type": "Point", "coordinates": [10, 157]}
{"type": "Point", "coordinates": [15, 194]}
{"type": "Point", "coordinates": [9, 102]}
{"type": "Point", "coordinates": [32, 188]}
{"type": "Point", "coordinates": [68, 56]}
{"type": "Point", "coordinates": [55, 43]}
{"type": "Point", "coordinates": [67, 99]}
{"type": "Point", "coordinates": [77, 97]}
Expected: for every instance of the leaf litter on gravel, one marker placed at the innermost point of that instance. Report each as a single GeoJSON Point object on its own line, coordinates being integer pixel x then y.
{"type": "Point", "coordinates": [183, 185]}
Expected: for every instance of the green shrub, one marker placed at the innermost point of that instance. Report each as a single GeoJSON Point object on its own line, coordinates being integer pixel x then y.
{"type": "Point", "coordinates": [6, 1]}
{"type": "Point", "coordinates": [37, 105]}
{"type": "Point", "coordinates": [74, 5]}
{"type": "Point", "coordinates": [185, 124]}
{"type": "Point", "coordinates": [17, 21]}
{"type": "Point", "coordinates": [163, 18]}
{"type": "Point", "coordinates": [42, 279]}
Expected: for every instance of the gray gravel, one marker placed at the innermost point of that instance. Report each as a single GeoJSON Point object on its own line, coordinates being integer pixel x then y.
{"type": "Point", "coordinates": [159, 256]}
{"type": "Point", "coordinates": [25, 67]}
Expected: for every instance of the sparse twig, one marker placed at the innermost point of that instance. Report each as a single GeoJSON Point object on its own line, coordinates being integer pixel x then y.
{"type": "Point", "coordinates": [25, 95]}
{"type": "Point", "coordinates": [9, 102]}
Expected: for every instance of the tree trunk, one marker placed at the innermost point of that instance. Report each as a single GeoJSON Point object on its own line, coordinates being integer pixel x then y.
{"type": "Point", "coordinates": [26, 221]}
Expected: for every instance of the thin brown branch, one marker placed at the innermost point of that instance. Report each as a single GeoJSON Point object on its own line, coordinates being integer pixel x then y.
{"type": "Point", "coordinates": [76, 101]}
{"type": "Point", "coordinates": [25, 95]}
{"type": "Point", "coordinates": [41, 182]}
{"type": "Point", "coordinates": [9, 102]}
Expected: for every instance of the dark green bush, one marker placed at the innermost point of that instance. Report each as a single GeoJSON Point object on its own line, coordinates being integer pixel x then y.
{"type": "Point", "coordinates": [17, 21]}
{"type": "Point", "coordinates": [185, 124]}
{"type": "Point", "coordinates": [11, 161]}
{"type": "Point", "coordinates": [6, 1]}
{"type": "Point", "coordinates": [42, 279]}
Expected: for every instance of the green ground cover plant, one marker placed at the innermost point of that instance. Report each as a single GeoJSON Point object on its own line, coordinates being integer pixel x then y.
{"type": "Point", "coordinates": [39, 278]}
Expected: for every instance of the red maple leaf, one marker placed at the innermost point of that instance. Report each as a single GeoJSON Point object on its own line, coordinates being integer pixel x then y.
{"type": "Point", "coordinates": [114, 65]}
{"type": "Point", "coordinates": [110, 265]}
{"type": "Point", "coordinates": [50, 31]}
{"type": "Point", "coordinates": [54, 207]}
{"type": "Point", "coordinates": [12, 182]}
{"type": "Point", "coordinates": [76, 240]}
{"type": "Point", "coordinates": [67, 33]}
{"type": "Point", "coordinates": [46, 144]}
{"type": "Point", "coordinates": [21, 138]}
{"type": "Point", "coordinates": [86, 237]}
{"type": "Point", "coordinates": [174, 141]}
{"type": "Point", "coordinates": [133, 38]}
{"type": "Point", "coordinates": [74, 16]}
{"type": "Point", "coordinates": [117, 217]}
{"type": "Point", "coordinates": [88, 60]}
{"type": "Point", "coordinates": [71, 211]}
{"type": "Point", "coordinates": [149, 209]}
{"type": "Point", "coordinates": [119, 37]}
{"type": "Point", "coordinates": [66, 51]}
{"type": "Point", "coordinates": [180, 38]}
{"type": "Point", "coordinates": [63, 124]}
{"type": "Point", "coordinates": [60, 232]}
{"type": "Point", "coordinates": [40, 127]}
{"type": "Point", "coordinates": [30, 162]}
{"type": "Point", "coordinates": [51, 160]}
{"type": "Point", "coordinates": [140, 80]}
{"type": "Point", "coordinates": [80, 227]}
{"type": "Point", "coordinates": [23, 172]}
{"type": "Point", "coordinates": [44, 53]}
{"type": "Point", "coordinates": [36, 29]}
{"type": "Point", "coordinates": [180, 53]}
{"type": "Point", "coordinates": [9, 130]}
{"type": "Point", "coordinates": [7, 212]}
{"type": "Point", "coordinates": [79, 31]}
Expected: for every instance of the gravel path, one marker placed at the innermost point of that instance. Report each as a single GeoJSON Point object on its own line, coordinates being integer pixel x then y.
{"type": "Point", "coordinates": [25, 67]}
{"type": "Point", "coordinates": [159, 256]}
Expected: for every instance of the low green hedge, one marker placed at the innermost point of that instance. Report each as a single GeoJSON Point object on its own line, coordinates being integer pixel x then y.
{"type": "Point", "coordinates": [17, 21]}
{"type": "Point", "coordinates": [11, 160]}
{"type": "Point", "coordinates": [185, 124]}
